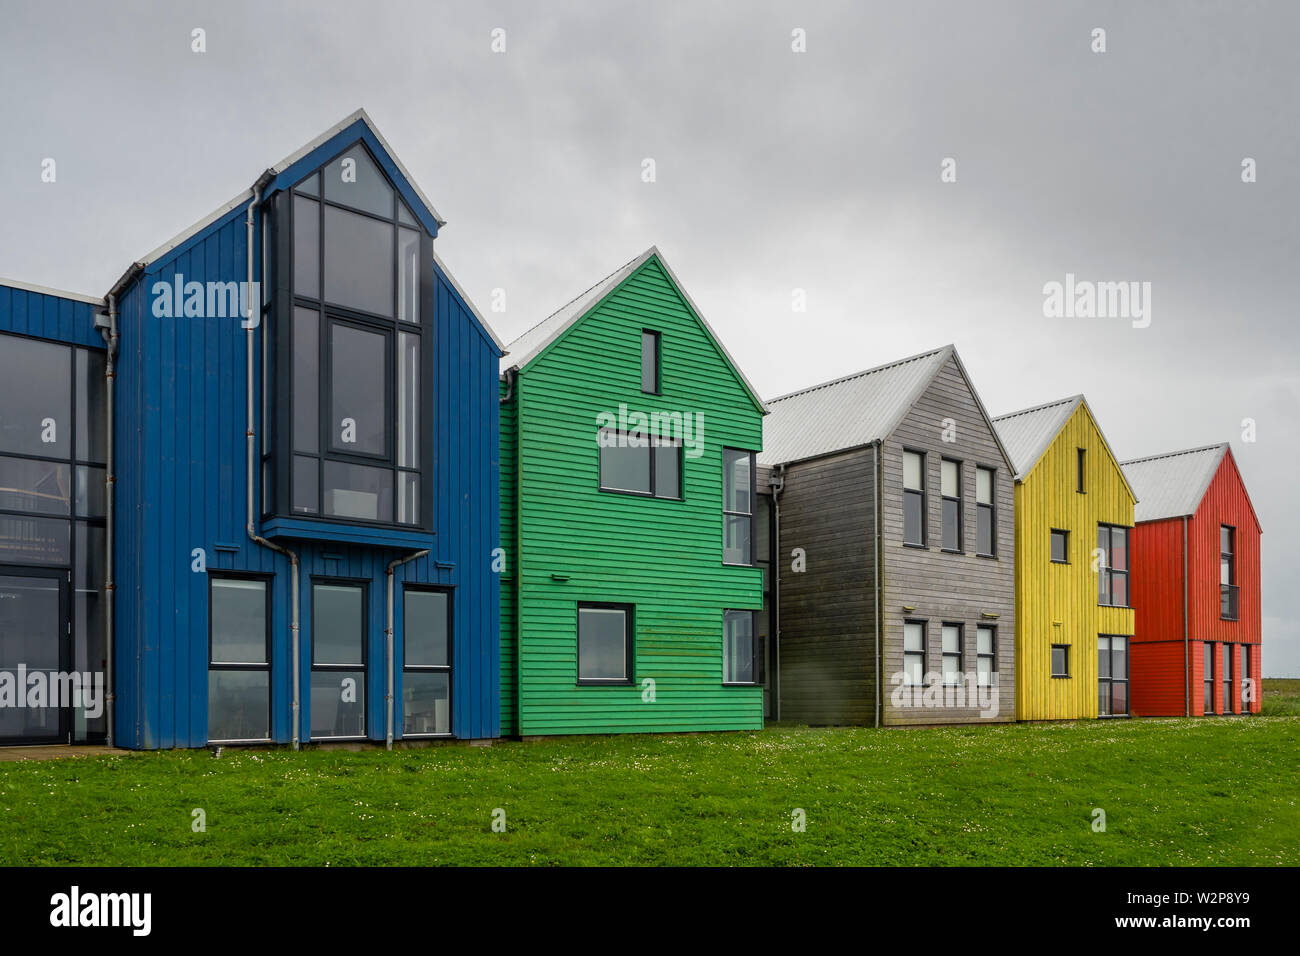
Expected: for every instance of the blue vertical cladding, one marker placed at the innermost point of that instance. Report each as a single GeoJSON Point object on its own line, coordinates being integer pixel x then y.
{"type": "Point", "coordinates": [47, 315]}
{"type": "Point", "coordinates": [181, 485]}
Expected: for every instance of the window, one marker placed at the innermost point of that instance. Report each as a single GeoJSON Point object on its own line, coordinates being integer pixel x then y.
{"type": "Point", "coordinates": [633, 463]}
{"type": "Point", "coordinates": [239, 659]}
{"type": "Point", "coordinates": [1247, 675]}
{"type": "Point", "coordinates": [950, 489]}
{"type": "Point", "coordinates": [1112, 572]}
{"type": "Point", "coordinates": [1060, 660]}
{"type": "Point", "coordinates": [913, 653]}
{"type": "Point", "coordinates": [1207, 676]}
{"type": "Point", "coordinates": [338, 660]}
{"type": "Point", "coordinates": [650, 361]}
{"type": "Point", "coordinates": [986, 654]}
{"type": "Point", "coordinates": [1227, 678]}
{"type": "Point", "coordinates": [1060, 547]}
{"type": "Point", "coordinates": [1227, 573]}
{"type": "Point", "coordinates": [426, 662]}
{"type": "Point", "coordinates": [739, 649]}
{"type": "Point", "coordinates": [1080, 464]}
{"type": "Point", "coordinates": [952, 654]}
{"type": "Point", "coordinates": [914, 499]}
{"type": "Point", "coordinates": [352, 355]}
{"type": "Point", "coordinates": [604, 643]}
{"type": "Point", "coordinates": [1112, 676]}
{"type": "Point", "coordinates": [985, 537]}
{"type": "Point", "coordinates": [737, 506]}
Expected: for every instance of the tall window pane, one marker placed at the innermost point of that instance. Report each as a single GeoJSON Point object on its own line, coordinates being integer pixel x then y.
{"type": "Point", "coordinates": [913, 498]}
{"type": "Point", "coordinates": [738, 506]}
{"type": "Point", "coordinates": [738, 647]}
{"type": "Point", "coordinates": [239, 676]}
{"type": "Point", "coordinates": [650, 362]}
{"type": "Point", "coordinates": [426, 676]}
{"type": "Point", "coordinates": [338, 678]}
{"type": "Point", "coordinates": [408, 400]}
{"type": "Point", "coordinates": [92, 426]}
{"type": "Point", "coordinates": [358, 262]}
{"type": "Point", "coordinates": [35, 397]}
{"type": "Point", "coordinates": [306, 383]}
{"type": "Point", "coordinates": [306, 247]}
{"type": "Point", "coordinates": [358, 386]}
{"type": "Point", "coordinates": [408, 275]}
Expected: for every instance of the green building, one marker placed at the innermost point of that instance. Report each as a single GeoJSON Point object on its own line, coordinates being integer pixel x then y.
{"type": "Point", "coordinates": [630, 591]}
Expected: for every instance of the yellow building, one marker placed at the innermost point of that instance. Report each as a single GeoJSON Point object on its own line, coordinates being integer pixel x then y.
{"type": "Point", "coordinates": [1074, 511]}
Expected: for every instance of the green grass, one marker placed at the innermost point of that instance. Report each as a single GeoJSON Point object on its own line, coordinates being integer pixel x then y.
{"type": "Point", "coordinates": [1281, 697]}
{"type": "Point", "coordinates": [1217, 791]}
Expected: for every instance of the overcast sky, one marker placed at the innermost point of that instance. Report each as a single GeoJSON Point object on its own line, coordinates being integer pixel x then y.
{"type": "Point", "coordinates": [775, 171]}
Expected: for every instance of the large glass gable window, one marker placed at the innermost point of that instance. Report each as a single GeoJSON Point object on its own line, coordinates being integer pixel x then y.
{"type": "Point", "coordinates": [356, 348]}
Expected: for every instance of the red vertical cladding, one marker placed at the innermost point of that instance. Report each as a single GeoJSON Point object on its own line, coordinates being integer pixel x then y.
{"type": "Point", "coordinates": [1225, 502]}
{"type": "Point", "coordinates": [1156, 678]}
{"type": "Point", "coordinates": [1157, 580]}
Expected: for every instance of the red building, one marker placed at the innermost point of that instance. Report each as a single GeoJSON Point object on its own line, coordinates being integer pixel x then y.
{"type": "Point", "coordinates": [1195, 587]}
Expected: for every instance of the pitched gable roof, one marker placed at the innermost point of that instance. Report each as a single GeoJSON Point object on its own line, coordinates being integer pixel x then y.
{"type": "Point", "coordinates": [1172, 485]}
{"type": "Point", "coordinates": [272, 173]}
{"type": "Point", "coordinates": [535, 341]}
{"type": "Point", "coordinates": [1028, 433]}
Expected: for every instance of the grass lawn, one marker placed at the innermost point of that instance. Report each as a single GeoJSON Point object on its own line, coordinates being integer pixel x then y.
{"type": "Point", "coordinates": [1188, 792]}
{"type": "Point", "coordinates": [1281, 697]}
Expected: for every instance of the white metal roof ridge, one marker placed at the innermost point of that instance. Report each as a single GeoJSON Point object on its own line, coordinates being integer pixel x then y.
{"type": "Point", "coordinates": [46, 290]}
{"type": "Point", "coordinates": [487, 326]}
{"type": "Point", "coordinates": [854, 375]}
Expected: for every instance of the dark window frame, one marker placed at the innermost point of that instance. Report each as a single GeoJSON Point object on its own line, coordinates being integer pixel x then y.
{"type": "Point", "coordinates": [960, 499]}
{"type": "Point", "coordinates": [658, 345]}
{"type": "Point", "coordinates": [1110, 572]}
{"type": "Point", "coordinates": [1112, 680]}
{"type": "Point", "coordinates": [991, 656]}
{"type": "Point", "coordinates": [629, 644]}
{"type": "Point", "coordinates": [960, 654]}
{"type": "Point", "coordinates": [279, 462]}
{"type": "Point", "coordinates": [1081, 466]}
{"type": "Point", "coordinates": [1208, 665]}
{"type": "Point", "coordinates": [364, 666]}
{"type": "Point", "coordinates": [1229, 609]}
{"type": "Point", "coordinates": [1227, 675]}
{"type": "Point", "coordinates": [922, 492]}
{"type": "Point", "coordinates": [651, 439]}
{"type": "Point", "coordinates": [1051, 551]}
{"type": "Point", "coordinates": [449, 668]}
{"type": "Point", "coordinates": [992, 507]}
{"type": "Point", "coordinates": [923, 653]}
{"type": "Point", "coordinates": [753, 649]}
{"type": "Point", "coordinates": [1063, 675]}
{"type": "Point", "coordinates": [268, 581]}
{"type": "Point", "coordinates": [751, 514]}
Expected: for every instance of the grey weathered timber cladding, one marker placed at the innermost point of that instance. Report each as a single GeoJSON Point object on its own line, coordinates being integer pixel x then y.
{"type": "Point", "coordinates": [828, 612]}
{"type": "Point", "coordinates": [945, 587]}
{"type": "Point", "coordinates": [827, 649]}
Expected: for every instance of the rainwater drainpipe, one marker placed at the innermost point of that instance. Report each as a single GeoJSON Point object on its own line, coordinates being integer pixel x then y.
{"type": "Point", "coordinates": [110, 336]}
{"type": "Point", "coordinates": [251, 323]}
{"type": "Point", "coordinates": [388, 640]}
{"type": "Point", "coordinates": [776, 481]}
{"type": "Point", "coordinates": [1187, 657]}
{"type": "Point", "coordinates": [875, 564]}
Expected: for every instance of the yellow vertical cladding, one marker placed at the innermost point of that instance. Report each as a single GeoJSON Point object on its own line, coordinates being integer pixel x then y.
{"type": "Point", "coordinates": [1057, 603]}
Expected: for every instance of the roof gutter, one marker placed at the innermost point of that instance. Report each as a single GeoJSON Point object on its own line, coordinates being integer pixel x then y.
{"type": "Point", "coordinates": [110, 336]}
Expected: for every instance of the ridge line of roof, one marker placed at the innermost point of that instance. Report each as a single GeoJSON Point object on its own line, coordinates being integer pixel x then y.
{"type": "Point", "coordinates": [850, 377]}
{"type": "Point", "coordinates": [1038, 408]}
{"type": "Point", "coordinates": [1175, 454]}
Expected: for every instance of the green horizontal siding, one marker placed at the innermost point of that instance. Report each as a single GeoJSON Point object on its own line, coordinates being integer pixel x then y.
{"type": "Point", "coordinates": [664, 557]}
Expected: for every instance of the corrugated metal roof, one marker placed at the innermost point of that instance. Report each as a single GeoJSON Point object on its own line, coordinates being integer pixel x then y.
{"type": "Point", "coordinates": [848, 412]}
{"type": "Point", "coordinates": [1172, 485]}
{"type": "Point", "coordinates": [533, 342]}
{"type": "Point", "coordinates": [1026, 434]}
{"type": "Point", "coordinates": [536, 340]}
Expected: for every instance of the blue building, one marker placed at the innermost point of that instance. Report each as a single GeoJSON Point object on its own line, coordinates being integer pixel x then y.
{"type": "Point", "coordinates": [267, 503]}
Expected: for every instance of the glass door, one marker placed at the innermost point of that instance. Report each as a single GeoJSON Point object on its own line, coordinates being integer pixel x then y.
{"type": "Point", "coordinates": [34, 650]}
